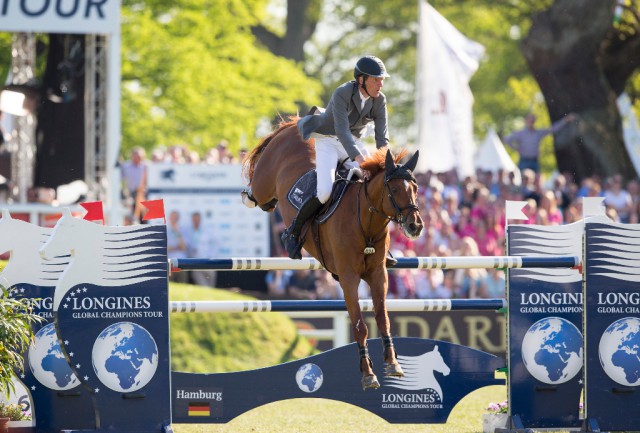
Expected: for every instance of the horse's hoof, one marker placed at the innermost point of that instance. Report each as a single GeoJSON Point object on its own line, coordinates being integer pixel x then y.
{"type": "Point", "coordinates": [393, 370]}
{"type": "Point", "coordinates": [370, 382]}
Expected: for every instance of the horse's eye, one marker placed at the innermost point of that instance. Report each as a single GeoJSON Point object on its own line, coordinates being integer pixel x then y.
{"type": "Point", "coordinates": [394, 189]}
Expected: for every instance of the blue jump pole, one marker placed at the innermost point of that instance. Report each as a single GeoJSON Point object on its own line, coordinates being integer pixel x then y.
{"type": "Point", "coordinates": [334, 305]}
{"type": "Point", "coordinates": [277, 263]}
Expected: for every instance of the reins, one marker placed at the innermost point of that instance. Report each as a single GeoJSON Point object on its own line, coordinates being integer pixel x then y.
{"type": "Point", "coordinates": [399, 217]}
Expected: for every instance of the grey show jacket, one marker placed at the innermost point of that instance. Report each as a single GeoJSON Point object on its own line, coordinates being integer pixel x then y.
{"type": "Point", "coordinates": [343, 118]}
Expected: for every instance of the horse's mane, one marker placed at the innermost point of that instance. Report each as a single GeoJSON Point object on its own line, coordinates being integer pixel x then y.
{"type": "Point", "coordinates": [250, 161]}
{"type": "Point", "coordinates": [375, 163]}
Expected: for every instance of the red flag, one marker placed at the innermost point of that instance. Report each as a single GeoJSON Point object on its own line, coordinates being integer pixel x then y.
{"type": "Point", "coordinates": [155, 209]}
{"type": "Point", "coordinates": [94, 211]}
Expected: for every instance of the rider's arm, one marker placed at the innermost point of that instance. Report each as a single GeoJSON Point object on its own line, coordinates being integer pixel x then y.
{"type": "Point", "coordinates": [340, 99]}
{"type": "Point", "coordinates": [380, 121]}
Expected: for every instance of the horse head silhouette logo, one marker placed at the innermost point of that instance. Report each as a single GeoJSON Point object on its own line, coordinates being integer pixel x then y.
{"type": "Point", "coordinates": [419, 372]}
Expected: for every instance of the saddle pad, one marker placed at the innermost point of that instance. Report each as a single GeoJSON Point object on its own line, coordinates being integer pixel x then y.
{"type": "Point", "coordinates": [305, 189]}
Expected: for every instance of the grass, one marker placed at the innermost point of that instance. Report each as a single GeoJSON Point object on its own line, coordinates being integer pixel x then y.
{"type": "Point", "coordinates": [326, 416]}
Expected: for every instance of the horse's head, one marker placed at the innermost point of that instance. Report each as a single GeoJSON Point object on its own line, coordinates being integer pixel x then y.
{"type": "Point", "coordinates": [437, 362]}
{"type": "Point", "coordinates": [402, 189]}
{"type": "Point", "coordinates": [62, 238]}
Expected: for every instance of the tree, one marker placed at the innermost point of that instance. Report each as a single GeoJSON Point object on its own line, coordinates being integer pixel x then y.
{"type": "Point", "coordinates": [574, 53]}
{"type": "Point", "coordinates": [582, 62]}
{"type": "Point", "coordinates": [192, 73]}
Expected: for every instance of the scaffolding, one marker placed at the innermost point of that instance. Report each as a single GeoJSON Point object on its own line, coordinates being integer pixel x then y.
{"type": "Point", "coordinates": [22, 143]}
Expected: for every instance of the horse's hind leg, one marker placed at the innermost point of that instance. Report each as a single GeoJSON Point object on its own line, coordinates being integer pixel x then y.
{"type": "Point", "coordinates": [349, 285]}
{"type": "Point", "coordinates": [379, 284]}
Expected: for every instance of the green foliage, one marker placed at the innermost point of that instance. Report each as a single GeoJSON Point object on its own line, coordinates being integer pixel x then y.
{"type": "Point", "coordinates": [193, 73]}
{"type": "Point", "coordinates": [208, 342]}
{"type": "Point", "coordinates": [12, 411]}
{"type": "Point", "coordinates": [16, 318]}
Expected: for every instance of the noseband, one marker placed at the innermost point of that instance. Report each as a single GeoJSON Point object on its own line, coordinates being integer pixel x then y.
{"type": "Point", "coordinates": [399, 173]}
{"type": "Point", "coordinates": [399, 217]}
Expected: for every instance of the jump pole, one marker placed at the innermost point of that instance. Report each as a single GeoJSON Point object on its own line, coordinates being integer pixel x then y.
{"type": "Point", "coordinates": [474, 262]}
{"type": "Point", "coordinates": [334, 305]}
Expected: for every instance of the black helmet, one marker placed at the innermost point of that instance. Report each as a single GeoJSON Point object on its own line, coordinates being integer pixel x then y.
{"type": "Point", "coordinates": [371, 66]}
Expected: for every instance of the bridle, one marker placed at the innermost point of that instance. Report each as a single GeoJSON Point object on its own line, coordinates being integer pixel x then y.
{"type": "Point", "coordinates": [399, 173]}
{"type": "Point", "coordinates": [400, 216]}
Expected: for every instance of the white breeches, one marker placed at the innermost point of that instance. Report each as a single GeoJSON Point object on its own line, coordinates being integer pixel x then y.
{"type": "Point", "coordinates": [329, 151]}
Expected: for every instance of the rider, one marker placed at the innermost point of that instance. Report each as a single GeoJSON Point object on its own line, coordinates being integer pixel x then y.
{"type": "Point", "coordinates": [337, 133]}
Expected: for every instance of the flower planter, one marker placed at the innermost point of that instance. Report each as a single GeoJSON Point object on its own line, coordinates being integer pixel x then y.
{"type": "Point", "coordinates": [492, 421]}
{"type": "Point", "coordinates": [4, 425]}
{"type": "Point", "coordinates": [21, 426]}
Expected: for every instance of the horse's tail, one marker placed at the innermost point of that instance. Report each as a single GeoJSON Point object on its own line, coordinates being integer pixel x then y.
{"type": "Point", "coordinates": [250, 161]}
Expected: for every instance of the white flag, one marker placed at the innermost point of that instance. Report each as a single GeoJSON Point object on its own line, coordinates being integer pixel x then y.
{"type": "Point", "coordinates": [446, 62]}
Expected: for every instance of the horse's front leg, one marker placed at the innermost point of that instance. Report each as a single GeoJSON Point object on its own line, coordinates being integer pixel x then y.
{"type": "Point", "coordinates": [349, 283]}
{"type": "Point", "coordinates": [378, 281]}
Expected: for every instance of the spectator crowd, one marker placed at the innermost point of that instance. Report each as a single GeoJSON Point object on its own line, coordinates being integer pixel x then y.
{"type": "Point", "coordinates": [461, 218]}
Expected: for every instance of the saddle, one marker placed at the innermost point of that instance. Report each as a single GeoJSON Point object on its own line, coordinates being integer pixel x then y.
{"type": "Point", "coordinates": [304, 189]}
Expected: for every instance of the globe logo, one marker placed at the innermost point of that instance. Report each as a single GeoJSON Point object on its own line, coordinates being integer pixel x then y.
{"type": "Point", "coordinates": [552, 350]}
{"type": "Point", "coordinates": [47, 362]}
{"type": "Point", "coordinates": [125, 357]}
{"type": "Point", "coordinates": [309, 377]}
{"type": "Point", "coordinates": [618, 351]}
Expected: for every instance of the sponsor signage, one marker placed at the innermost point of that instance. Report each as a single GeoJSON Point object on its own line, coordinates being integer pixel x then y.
{"type": "Point", "coordinates": [545, 346]}
{"type": "Point", "coordinates": [437, 376]}
{"type": "Point", "coordinates": [481, 330]}
{"type": "Point", "coordinates": [60, 16]}
{"type": "Point", "coordinates": [612, 324]}
{"type": "Point", "coordinates": [46, 376]}
{"type": "Point", "coordinates": [112, 318]}
{"type": "Point", "coordinates": [214, 191]}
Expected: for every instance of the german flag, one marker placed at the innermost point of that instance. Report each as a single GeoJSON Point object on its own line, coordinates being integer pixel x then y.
{"type": "Point", "coordinates": [199, 409]}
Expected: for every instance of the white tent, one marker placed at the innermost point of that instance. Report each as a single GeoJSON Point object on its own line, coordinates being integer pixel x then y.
{"type": "Point", "coordinates": [492, 156]}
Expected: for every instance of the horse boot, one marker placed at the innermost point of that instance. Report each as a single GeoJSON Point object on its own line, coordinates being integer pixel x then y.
{"type": "Point", "coordinates": [368, 382]}
{"type": "Point", "coordinates": [291, 236]}
{"type": "Point", "coordinates": [390, 369]}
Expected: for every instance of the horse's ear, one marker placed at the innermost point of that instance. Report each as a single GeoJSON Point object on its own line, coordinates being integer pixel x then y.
{"type": "Point", "coordinates": [66, 212]}
{"type": "Point", "coordinates": [6, 214]}
{"type": "Point", "coordinates": [411, 164]}
{"type": "Point", "coordinates": [389, 164]}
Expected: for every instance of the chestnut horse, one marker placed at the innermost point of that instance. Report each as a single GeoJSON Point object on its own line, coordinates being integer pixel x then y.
{"type": "Point", "coordinates": [353, 243]}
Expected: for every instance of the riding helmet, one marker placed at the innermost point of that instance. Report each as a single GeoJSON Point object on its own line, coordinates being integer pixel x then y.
{"type": "Point", "coordinates": [371, 66]}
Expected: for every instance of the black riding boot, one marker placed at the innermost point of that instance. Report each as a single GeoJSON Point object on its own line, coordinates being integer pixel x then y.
{"type": "Point", "coordinates": [291, 236]}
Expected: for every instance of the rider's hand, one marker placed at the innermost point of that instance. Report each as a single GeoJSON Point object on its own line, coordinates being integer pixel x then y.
{"type": "Point", "coordinates": [355, 171]}
{"type": "Point", "coordinates": [359, 159]}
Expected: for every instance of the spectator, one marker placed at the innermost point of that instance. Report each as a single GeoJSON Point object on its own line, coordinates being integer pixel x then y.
{"type": "Point", "coordinates": [618, 198]}
{"type": "Point", "coordinates": [327, 287]}
{"type": "Point", "coordinates": [467, 281]}
{"type": "Point", "coordinates": [176, 245]}
{"type": "Point", "coordinates": [134, 178]}
{"type": "Point", "coordinates": [494, 284]}
{"type": "Point", "coordinates": [277, 281]}
{"type": "Point", "coordinates": [549, 204]}
{"type": "Point", "coordinates": [527, 141]}
{"type": "Point", "coordinates": [224, 156]}
{"type": "Point", "coordinates": [200, 243]}
{"type": "Point", "coordinates": [302, 284]}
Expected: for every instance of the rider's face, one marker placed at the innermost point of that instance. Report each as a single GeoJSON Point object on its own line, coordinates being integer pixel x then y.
{"type": "Point", "coordinates": [373, 86]}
